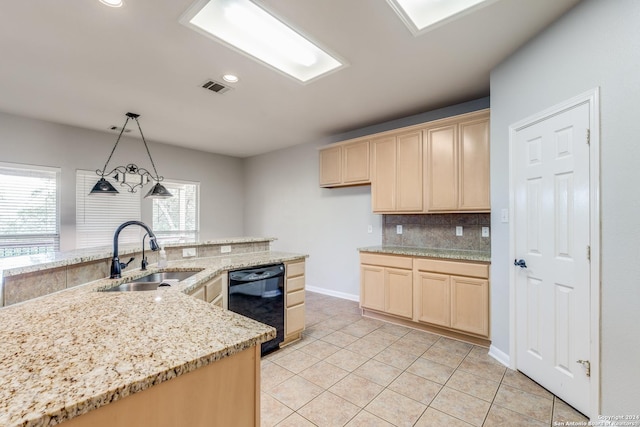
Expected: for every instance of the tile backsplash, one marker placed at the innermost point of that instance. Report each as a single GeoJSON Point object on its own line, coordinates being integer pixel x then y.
{"type": "Point", "coordinates": [437, 231]}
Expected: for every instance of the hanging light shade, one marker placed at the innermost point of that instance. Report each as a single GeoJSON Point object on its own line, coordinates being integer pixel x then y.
{"type": "Point", "coordinates": [130, 175]}
{"type": "Point", "coordinates": [158, 191]}
{"type": "Point", "coordinates": [103, 187]}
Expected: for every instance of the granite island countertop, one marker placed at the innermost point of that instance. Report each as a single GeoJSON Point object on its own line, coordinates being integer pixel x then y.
{"type": "Point", "coordinates": [447, 254]}
{"type": "Point", "coordinates": [67, 353]}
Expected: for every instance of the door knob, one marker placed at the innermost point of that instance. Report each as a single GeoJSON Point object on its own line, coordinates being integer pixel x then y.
{"type": "Point", "coordinates": [520, 263]}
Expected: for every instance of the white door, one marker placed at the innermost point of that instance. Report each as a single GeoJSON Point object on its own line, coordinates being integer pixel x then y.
{"type": "Point", "coordinates": [551, 220]}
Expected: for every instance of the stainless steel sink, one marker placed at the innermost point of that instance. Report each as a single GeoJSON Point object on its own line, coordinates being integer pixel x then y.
{"type": "Point", "coordinates": [138, 286]}
{"type": "Point", "coordinates": [166, 275]}
{"type": "Point", "coordinates": [153, 281]}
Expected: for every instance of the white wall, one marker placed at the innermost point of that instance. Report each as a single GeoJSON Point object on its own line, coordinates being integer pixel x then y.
{"type": "Point", "coordinates": [30, 141]}
{"type": "Point", "coordinates": [595, 44]}
{"type": "Point", "coordinates": [283, 199]}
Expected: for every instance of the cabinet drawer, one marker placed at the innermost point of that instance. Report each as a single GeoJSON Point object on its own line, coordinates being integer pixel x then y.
{"type": "Point", "coordinates": [295, 298]}
{"type": "Point", "coordinates": [295, 269]}
{"type": "Point", "coordinates": [213, 289]}
{"type": "Point", "coordinates": [453, 267]}
{"type": "Point", "coordinates": [393, 261]}
{"type": "Point", "coordinates": [294, 321]}
{"type": "Point", "coordinates": [295, 284]}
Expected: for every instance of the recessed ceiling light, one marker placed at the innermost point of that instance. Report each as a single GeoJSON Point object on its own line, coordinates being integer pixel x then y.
{"type": "Point", "coordinates": [423, 15]}
{"type": "Point", "coordinates": [249, 28]}
{"type": "Point", "coordinates": [231, 78]}
{"type": "Point", "coordinates": [112, 3]}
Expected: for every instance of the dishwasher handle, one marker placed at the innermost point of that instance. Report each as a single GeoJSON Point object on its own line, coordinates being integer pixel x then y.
{"type": "Point", "coordinates": [254, 274]}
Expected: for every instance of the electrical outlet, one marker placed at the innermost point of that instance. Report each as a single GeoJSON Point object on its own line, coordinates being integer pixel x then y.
{"type": "Point", "coordinates": [398, 229]}
{"type": "Point", "coordinates": [369, 228]}
{"type": "Point", "coordinates": [225, 249]}
{"type": "Point", "coordinates": [458, 230]}
{"type": "Point", "coordinates": [485, 231]}
{"type": "Point", "coordinates": [188, 252]}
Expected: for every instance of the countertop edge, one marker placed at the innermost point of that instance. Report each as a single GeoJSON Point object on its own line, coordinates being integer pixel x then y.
{"type": "Point", "coordinates": [445, 254]}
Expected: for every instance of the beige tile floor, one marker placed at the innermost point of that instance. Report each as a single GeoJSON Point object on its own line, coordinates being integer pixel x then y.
{"type": "Point", "coordinates": [355, 371]}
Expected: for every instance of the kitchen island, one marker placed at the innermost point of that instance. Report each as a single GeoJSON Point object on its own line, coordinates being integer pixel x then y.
{"type": "Point", "coordinates": [81, 353]}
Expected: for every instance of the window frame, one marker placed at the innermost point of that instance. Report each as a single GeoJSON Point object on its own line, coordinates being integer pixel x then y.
{"type": "Point", "coordinates": [130, 235]}
{"type": "Point", "coordinates": [55, 246]}
{"type": "Point", "coordinates": [183, 236]}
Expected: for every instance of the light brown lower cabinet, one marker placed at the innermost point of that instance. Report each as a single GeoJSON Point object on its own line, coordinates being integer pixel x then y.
{"type": "Point", "coordinates": [386, 283]}
{"type": "Point", "coordinates": [216, 291]}
{"type": "Point", "coordinates": [224, 393]}
{"type": "Point", "coordinates": [294, 301]}
{"type": "Point", "coordinates": [452, 294]}
{"type": "Point", "coordinates": [449, 295]}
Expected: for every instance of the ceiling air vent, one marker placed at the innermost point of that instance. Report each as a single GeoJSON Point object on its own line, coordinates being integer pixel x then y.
{"type": "Point", "coordinates": [215, 86]}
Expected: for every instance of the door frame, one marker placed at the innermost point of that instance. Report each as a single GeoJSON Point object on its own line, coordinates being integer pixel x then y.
{"type": "Point", "coordinates": [591, 98]}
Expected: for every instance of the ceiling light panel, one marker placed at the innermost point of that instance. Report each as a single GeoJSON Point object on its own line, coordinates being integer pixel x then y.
{"type": "Point", "coordinates": [249, 28]}
{"type": "Point", "coordinates": [423, 15]}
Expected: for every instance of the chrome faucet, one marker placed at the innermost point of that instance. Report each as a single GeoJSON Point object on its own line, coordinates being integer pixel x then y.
{"type": "Point", "coordinates": [116, 265]}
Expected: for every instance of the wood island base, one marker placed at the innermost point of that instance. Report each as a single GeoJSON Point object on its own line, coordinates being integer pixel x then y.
{"type": "Point", "coordinates": [224, 393]}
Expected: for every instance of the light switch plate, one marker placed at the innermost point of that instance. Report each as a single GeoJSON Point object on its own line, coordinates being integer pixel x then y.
{"type": "Point", "coordinates": [398, 229]}
{"type": "Point", "coordinates": [504, 215]}
{"type": "Point", "coordinates": [225, 249]}
{"type": "Point", "coordinates": [458, 230]}
{"type": "Point", "coordinates": [485, 231]}
{"type": "Point", "coordinates": [369, 228]}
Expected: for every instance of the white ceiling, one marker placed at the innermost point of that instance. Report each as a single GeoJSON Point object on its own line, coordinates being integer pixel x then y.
{"type": "Point", "coordinates": [81, 63]}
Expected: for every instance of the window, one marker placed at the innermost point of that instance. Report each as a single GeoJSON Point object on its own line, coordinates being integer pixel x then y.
{"type": "Point", "coordinates": [29, 210]}
{"type": "Point", "coordinates": [98, 216]}
{"type": "Point", "coordinates": [176, 219]}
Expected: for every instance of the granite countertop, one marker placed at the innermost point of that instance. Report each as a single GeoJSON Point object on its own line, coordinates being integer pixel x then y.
{"type": "Point", "coordinates": [68, 353]}
{"type": "Point", "coordinates": [449, 254]}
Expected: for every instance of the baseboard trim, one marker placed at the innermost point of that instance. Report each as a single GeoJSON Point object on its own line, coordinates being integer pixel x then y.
{"type": "Point", "coordinates": [500, 356]}
{"type": "Point", "coordinates": [331, 293]}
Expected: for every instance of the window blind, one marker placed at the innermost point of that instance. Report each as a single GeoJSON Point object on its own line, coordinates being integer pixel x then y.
{"type": "Point", "coordinates": [29, 210]}
{"type": "Point", "coordinates": [176, 219]}
{"type": "Point", "coordinates": [98, 216]}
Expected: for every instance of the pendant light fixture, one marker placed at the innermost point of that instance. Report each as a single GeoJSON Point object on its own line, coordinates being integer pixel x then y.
{"type": "Point", "coordinates": [130, 175]}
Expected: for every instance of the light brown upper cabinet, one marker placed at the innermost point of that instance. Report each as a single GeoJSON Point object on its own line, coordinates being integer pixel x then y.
{"type": "Point", "coordinates": [434, 167]}
{"type": "Point", "coordinates": [457, 165]}
{"type": "Point", "coordinates": [396, 181]}
{"type": "Point", "coordinates": [345, 164]}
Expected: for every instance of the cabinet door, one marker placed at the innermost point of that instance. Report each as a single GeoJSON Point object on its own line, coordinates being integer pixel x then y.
{"type": "Point", "coordinates": [398, 292]}
{"type": "Point", "coordinates": [372, 287]}
{"type": "Point", "coordinates": [330, 166]}
{"type": "Point", "coordinates": [470, 305]}
{"type": "Point", "coordinates": [409, 172]}
{"type": "Point", "coordinates": [213, 289]}
{"type": "Point", "coordinates": [198, 293]}
{"type": "Point", "coordinates": [432, 294]}
{"type": "Point", "coordinates": [355, 162]}
{"type": "Point", "coordinates": [294, 319]}
{"type": "Point", "coordinates": [441, 168]}
{"type": "Point", "coordinates": [474, 165]}
{"type": "Point", "coordinates": [383, 182]}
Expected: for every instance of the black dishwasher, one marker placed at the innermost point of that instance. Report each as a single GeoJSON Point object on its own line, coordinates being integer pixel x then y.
{"type": "Point", "coordinates": [258, 293]}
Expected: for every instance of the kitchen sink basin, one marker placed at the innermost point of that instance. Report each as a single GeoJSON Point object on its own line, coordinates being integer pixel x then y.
{"type": "Point", "coordinates": [153, 281]}
{"type": "Point", "coordinates": [138, 286]}
{"type": "Point", "coordinates": [166, 275]}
